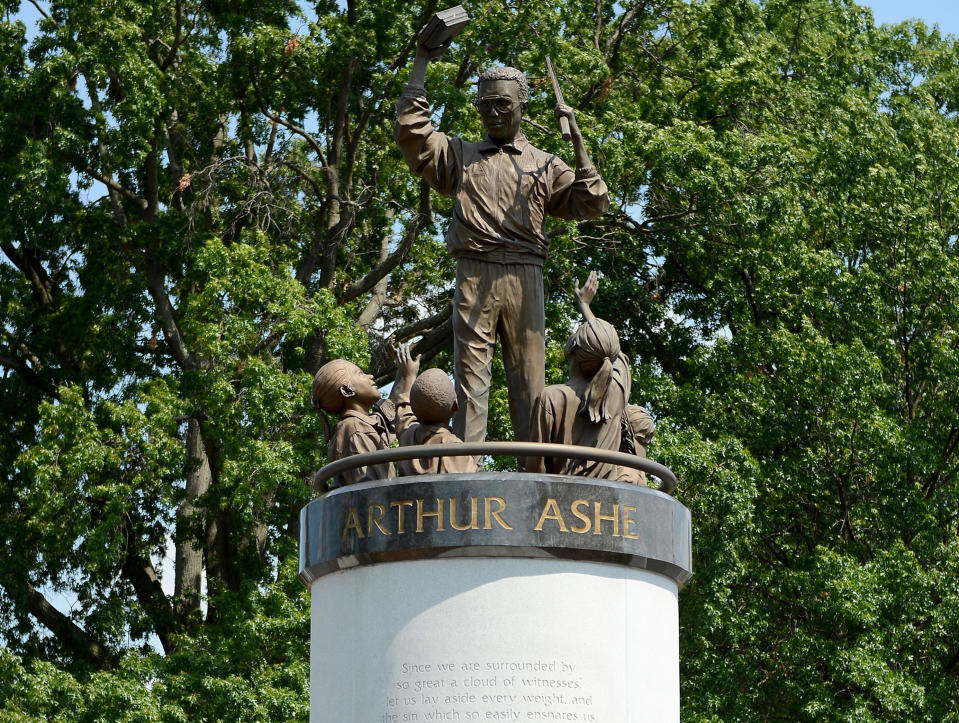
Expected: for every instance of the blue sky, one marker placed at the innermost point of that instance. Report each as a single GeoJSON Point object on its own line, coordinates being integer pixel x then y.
{"type": "Point", "coordinates": [943, 12]}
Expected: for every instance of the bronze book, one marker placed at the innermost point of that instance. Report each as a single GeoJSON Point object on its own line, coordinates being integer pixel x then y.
{"type": "Point", "coordinates": [445, 25]}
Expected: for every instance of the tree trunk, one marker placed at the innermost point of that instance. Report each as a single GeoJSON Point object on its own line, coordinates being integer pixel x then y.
{"type": "Point", "coordinates": [189, 544]}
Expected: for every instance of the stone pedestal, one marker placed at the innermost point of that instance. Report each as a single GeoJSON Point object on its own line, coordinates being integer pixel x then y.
{"type": "Point", "coordinates": [494, 596]}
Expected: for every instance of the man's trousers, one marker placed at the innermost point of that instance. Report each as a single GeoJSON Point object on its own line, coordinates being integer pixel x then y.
{"type": "Point", "coordinates": [497, 299]}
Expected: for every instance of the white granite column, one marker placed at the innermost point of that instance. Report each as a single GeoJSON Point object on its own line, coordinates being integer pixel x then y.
{"type": "Point", "coordinates": [563, 609]}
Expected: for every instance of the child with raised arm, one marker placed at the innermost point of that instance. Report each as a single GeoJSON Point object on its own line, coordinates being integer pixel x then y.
{"type": "Point", "coordinates": [588, 409]}
{"type": "Point", "coordinates": [423, 411]}
{"type": "Point", "coordinates": [342, 388]}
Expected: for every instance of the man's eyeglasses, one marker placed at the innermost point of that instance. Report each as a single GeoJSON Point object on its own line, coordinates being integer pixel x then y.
{"type": "Point", "coordinates": [500, 104]}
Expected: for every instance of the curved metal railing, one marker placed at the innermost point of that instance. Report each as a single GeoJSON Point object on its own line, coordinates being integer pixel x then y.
{"type": "Point", "coordinates": [521, 449]}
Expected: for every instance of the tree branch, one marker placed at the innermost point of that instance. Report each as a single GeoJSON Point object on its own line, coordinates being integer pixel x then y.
{"type": "Point", "coordinates": [385, 266]}
{"type": "Point", "coordinates": [628, 223]}
{"type": "Point", "coordinates": [313, 143]}
{"type": "Point", "coordinates": [180, 37]}
{"type": "Point", "coordinates": [378, 297]}
{"type": "Point", "coordinates": [40, 9]}
{"type": "Point", "coordinates": [71, 635]}
{"type": "Point", "coordinates": [114, 194]}
{"type": "Point", "coordinates": [794, 47]}
{"type": "Point", "coordinates": [430, 322]}
{"type": "Point", "coordinates": [28, 263]}
{"type": "Point", "coordinates": [170, 136]}
{"type": "Point", "coordinates": [338, 223]}
{"type": "Point", "coordinates": [750, 289]}
{"type": "Point", "coordinates": [28, 375]}
{"type": "Point", "coordinates": [317, 189]}
{"type": "Point", "coordinates": [107, 181]}
{"type": "Point", "coordinates": [598, 27]}
{"type": "Point", "coordinates": [612, 45]}
{"type": "Point", "coordinates": [658, 59]}
{"type": "Point", "coordinates": [433, 342]}
{"type": "Point", "coordinates": [440, 325]}
{"type": "Point", "coordinates": [152, 182]}
{"type": "Point", "coordinates": [171, 331]}
{"type": "Point", "coordinates": [140, 573]}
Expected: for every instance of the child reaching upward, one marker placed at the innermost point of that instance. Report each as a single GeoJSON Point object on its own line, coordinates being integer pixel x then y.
{"type": "Point", "coordinates": [588, 409]}
{"type": "Point", "coordinates": [423, 412]}
{"type": "Point", "coordinates": [342, 388]}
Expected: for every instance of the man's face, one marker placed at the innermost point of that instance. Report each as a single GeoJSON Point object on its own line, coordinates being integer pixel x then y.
{"type": "Point", "coordinates": [500, 110]}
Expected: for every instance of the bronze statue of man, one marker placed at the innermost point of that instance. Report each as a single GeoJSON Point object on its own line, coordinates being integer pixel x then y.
{"type": "Point", "coordinates": [503, 188]}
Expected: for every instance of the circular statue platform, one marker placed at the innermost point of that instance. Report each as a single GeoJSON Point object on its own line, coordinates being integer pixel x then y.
{"type": "Point", "coordinates": [495, 596]}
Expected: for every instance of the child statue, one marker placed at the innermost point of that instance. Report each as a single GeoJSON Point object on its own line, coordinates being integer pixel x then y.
{"type": "Point", "coordinates": [588, 409]}
{"type": "Point", "coordinates": [638, 428]}
{"type": "Point", "coordinates": [342, 388]}
{"type": "Point", "coordinates": [423, 412]}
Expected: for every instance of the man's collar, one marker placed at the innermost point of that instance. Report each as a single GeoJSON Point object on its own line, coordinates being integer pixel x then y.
{"type": "Point", "coordinates": [517, 145]}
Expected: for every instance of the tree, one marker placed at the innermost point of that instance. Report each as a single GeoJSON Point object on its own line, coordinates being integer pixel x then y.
{"type": "Point", "coordinates": [201, 202]}
{"type": "Point", "coordinates": [813, 271]}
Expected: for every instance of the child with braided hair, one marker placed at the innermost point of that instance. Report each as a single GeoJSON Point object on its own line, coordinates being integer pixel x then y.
{"type": "Point", "coordinates": [588, 409]}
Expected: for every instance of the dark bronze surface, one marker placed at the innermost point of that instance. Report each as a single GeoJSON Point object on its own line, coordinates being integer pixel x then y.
{"type": "Point", "coordinates": [498, 514]}
{"type": "Point", "coordinates": [664, 474]}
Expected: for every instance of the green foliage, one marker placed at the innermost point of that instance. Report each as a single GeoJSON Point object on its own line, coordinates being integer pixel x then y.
{"type": "Point", "coordinates": [201, 202]}
{"type": "Point", "coordinates": [252, 667]}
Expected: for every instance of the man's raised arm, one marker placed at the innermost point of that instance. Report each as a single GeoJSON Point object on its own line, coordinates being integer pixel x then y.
{"type": "Point", "coordinates": [426, 150]}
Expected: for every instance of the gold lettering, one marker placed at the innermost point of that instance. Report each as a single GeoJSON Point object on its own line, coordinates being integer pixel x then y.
{"type": "Point", "coordinates": [551, 512]}
{"type": "Point", "coordinates": [473, 524]}
{"type": "Point", "coordinates": [376, 519]}
{"type": "Point", "coordinates": [627, 521]}
{"type": "Point", "coordinates": [584, 516]}
{"type": "Point", "coordinates": [490, 512]}
{"type": "Point", "coordinates": [438, 514]}
{"type": "Point", "coordinates": [399, 505]}
{"type": "Point", "coordinates": [352, 523]}
{"type": "Point", "coordinates": [598, 519]}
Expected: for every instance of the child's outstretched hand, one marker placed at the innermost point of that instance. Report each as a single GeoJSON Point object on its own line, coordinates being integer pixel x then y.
{"type": "Point", "coordinates": [407, 367]}
{"type": "Point", "coordinates": [585, 294]}
{"type": "Point", "coordinates": [406, 363]}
